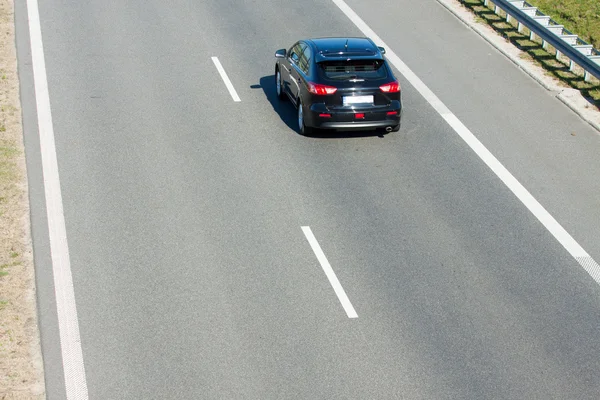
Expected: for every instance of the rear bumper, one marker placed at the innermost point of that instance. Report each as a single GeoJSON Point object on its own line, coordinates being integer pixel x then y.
{"type": "Point", "coordinates": [358, 124]}
{"type": "Point", "coordinates": [374, 117]}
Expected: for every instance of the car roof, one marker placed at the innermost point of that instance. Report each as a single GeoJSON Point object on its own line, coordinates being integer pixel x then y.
{"type": "Point", "coordinates": [344, 48]}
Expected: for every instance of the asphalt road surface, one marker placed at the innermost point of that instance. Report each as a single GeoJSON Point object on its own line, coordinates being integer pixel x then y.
{"type": "Point", "coordinates": [184, 210]}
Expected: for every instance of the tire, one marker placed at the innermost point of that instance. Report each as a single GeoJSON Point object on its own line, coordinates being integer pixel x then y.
{"type": "Point", "coordinates": [396, 128]}
{"type": "Point", "coordinates": [303, 129]}
{"type": "Point", "coordinates": [279, 86]}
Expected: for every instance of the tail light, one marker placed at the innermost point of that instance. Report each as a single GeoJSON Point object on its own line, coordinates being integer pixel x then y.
{"type": "Point", "coordinates": [320, 90]}
{"type": "Point", "coordinates": [392, 87]}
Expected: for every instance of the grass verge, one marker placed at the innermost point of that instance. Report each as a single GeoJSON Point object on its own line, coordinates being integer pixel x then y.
{"type": "Point", "coordinates": [579, 16]}
{"type": "Point", "coordinates": [533, 49]}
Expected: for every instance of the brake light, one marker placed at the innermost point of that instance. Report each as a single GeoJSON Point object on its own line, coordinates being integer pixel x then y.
{"type": "Point", "coordinates": [392, 87]}
{"type": "Point", "coordinates": [321, 90]}
{"type": "Point", "coordinates": [324, 115]}
{"type": "Point", "coordinates": [359, 115]}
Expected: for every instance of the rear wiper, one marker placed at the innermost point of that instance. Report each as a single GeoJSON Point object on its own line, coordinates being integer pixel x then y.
{"type": "Point", "coordinates": [349, 78]}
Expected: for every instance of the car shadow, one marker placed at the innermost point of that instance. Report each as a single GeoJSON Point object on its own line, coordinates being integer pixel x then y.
{"type": "Point", "coordinates": [287, 113]}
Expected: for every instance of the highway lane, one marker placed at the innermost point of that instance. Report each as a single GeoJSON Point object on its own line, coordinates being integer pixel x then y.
{"type": "Point", "coordinates": [550, 150]}
{"type": "Point", "coordinates": [192, 276]}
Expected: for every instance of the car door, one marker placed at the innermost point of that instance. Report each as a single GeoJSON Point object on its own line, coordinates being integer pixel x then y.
{"type": "Point", "coordinates": [285, 68]}
{"type": "Point", "coordinates": [295, 73]}
{"type": "Point", "coordinates": [303, 69]}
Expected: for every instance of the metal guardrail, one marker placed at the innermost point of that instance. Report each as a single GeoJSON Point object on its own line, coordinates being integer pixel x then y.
{"type": "Point", "coordinates": [565, 42]}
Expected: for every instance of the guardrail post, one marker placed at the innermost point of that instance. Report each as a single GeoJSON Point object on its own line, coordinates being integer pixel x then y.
{"type": "Point", "coordinates": [585, 49]}
{"type": "Point", "coordinates": [595, 59]}
{"type": "Point", "coordinates": [570, 39]}
{"type": "Point", "coordinates": [519, 27]}
{"type": "Point", "coordinates": [531, 11]}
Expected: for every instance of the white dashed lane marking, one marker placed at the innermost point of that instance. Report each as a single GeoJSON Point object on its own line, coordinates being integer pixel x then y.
{"type": "Point", "coordinates": [333, 280]}
{"type": "Point", "coordinates": [226, 80]}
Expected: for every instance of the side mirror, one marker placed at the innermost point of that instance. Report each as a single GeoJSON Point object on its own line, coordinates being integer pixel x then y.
{"type": "Point", "coordinates": [280, 53]}
{"type": "Point", "coordinates": [381, 49]}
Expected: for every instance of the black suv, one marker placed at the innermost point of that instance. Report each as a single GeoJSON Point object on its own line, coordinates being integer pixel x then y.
{"type": "Point", "coordinates": [339, 83]}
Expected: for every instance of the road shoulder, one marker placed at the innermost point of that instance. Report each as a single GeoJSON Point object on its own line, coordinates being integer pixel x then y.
{"type": "Point", "coordinates": [21, 370]}
{"type": "Point", "coordinates": [572, 98]}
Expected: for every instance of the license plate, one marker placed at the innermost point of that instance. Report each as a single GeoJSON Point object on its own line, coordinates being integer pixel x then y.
{"type": "Point", "coordinates": [357, 100]}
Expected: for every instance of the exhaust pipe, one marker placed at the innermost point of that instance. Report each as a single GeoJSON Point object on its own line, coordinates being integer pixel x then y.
{"type": "Point", "coordinates": [388, 129]}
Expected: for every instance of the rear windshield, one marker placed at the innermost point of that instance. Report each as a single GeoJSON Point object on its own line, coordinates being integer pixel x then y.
{"type": "Point", "coordinates": [353, 69]}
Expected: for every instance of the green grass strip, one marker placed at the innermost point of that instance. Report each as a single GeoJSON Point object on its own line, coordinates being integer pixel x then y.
{"type": "Point", "coordinates": [582, 17]}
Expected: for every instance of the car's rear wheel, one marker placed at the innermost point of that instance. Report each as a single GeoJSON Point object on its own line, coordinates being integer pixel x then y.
{"type": "Point", "coordinates": [302, 128]}
{"type": "Point", "coordinates": [396, 128]}
{"type": "Point", "coordinates": [279, 85]}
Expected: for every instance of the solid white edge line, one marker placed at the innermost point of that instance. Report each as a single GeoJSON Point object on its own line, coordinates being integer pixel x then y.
{"type": "Point", "coordinates": [70, 342]}
{"type": "Point", "coordinates": [551, 224]}
{"type": "Point", "coordinates": [333, 280]}
{"type": "Point", "coordinates": [226, 80]}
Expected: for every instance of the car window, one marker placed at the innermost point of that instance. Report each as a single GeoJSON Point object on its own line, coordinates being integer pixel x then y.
{"type": "Point", "coordinates": [304, 62]}
{"type": "Point", "coordinates": [353, 69]}
{"type": "Point", "coordinates": [295, 53]}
